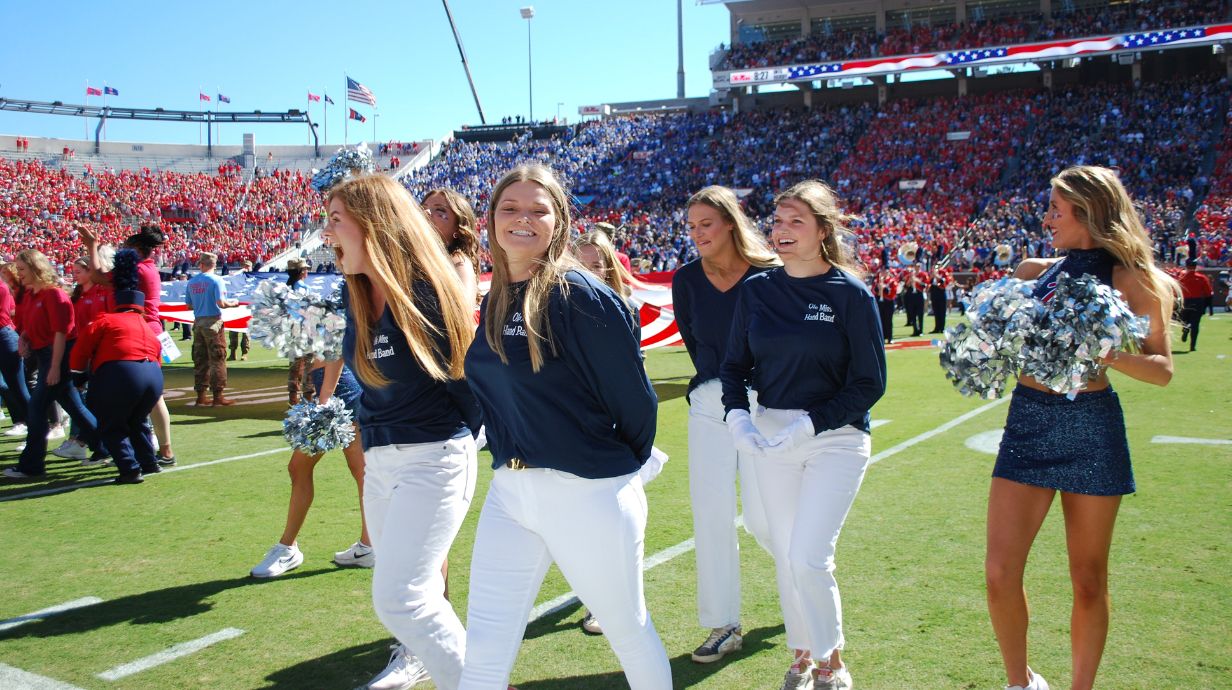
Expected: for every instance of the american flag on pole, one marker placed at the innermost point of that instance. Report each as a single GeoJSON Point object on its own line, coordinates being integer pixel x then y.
{"type": "Point", "coordinates": [359, 93]}
{"type": "Point", "coordinates": [991, 55]}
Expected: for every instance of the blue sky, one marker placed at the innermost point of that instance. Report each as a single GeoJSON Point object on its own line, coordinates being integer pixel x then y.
{"type": "Point", "coordinates": [267, 55]}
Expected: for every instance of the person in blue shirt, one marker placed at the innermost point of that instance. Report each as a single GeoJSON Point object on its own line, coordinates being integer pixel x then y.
{"type": "Point", "coordinates": [807, 336]}
{"type": "Point", "coordinates": [207, 295]}
{"type": "Point", "coordinates": [570, 418]}
{"type": "Point", "coordinates": [704, 295]}
{"type": "Point", "coordinates": [408, 326]}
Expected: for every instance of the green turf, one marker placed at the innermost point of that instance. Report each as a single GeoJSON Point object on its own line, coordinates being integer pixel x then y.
{"type": "Point", "coordinates": [170, 558]}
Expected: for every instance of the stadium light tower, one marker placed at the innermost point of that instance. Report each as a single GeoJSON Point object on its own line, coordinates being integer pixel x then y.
{"type": "Point", "coordinates": [528, 13]}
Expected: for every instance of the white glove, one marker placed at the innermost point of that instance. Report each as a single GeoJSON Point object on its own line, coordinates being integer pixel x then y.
{"type": "Point", "coordinates": [746, 436]}
{"type": "Point", "coordinates": [793, 434]}
{"type": "Point", "coordinates": [653, 465]}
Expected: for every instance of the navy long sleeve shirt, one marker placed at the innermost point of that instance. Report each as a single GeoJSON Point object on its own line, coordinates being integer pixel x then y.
{"type": "Point", "coordinates": [704, 316]}
{"type": "Point", "coordinates": [413, 407]}
{"type": "Point", "coordinates": [810, 344]}
{"type": "Point", "coordinates": [590, 410]}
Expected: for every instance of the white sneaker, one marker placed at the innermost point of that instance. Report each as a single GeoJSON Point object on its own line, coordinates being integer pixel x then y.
{"type": "Point", "coordinates": [825, 678]}
{"type": "Point", "coordinates": [403, 672]}
{"type": "Point", "coordinates": [71, 450]}
{"type": "Point", "coordinates": [279, 560]}
{"type": "Point", "coordinates": [720, 643]}
{"type": "Point", "coordinates": [17, 429]}
{"type": "Point", "coordinates": [799, 676]}
{"type": "Point", "coordinates": [359, 555]}
{"type": "Point", "coordinates": [96, 461]}
{"type": "Point", "coordinates": [55, 432]}
{"type": "Point", "coordinates": [1037, 682]}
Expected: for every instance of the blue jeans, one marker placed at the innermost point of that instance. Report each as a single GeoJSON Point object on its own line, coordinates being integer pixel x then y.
{"type": "Point", "coordinates": [13, 377]}
{"type": "Point", "coordinates": [33, 458]}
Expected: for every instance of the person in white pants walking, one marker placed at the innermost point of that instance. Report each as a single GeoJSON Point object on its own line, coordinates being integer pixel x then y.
{"type": "Point", "coordinates": [570, 418]}
{"type": "Point", "coordinates": [408, 326]}
{"type": "Point", "coordinates": [808, 338]}
{"type": "Point", "coordinates": [704, 295]}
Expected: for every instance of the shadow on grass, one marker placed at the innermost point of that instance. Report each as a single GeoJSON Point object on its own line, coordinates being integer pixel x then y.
{"type": "Point", "coordinates": [668, 389]}
{"type": "Point", "coordinates": [685, 672]}
{"type": "Point", "coordinates": [345, 668]}
{"type": "Point", "coordinates": [153, 607]}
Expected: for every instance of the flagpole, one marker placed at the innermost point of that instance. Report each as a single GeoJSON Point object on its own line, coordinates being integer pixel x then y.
{"type": "Point", "coordinates": [85, 120]}
{"type": "Point", "coordinates": [104, 108]}
{"type": "Point", "coordinates": [199, 92]}
{"type": "Point", "coordinates": [374, 126]}
{"type": "Point", "coordinates": [346, 116]}
{"type": "Point", "coordinates": [325, 106]}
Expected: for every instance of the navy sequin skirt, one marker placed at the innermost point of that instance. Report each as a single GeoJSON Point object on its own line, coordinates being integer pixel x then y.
{"type": "Point", "coordinates": [1077, 446]}
{"type": "Point", "coordinates": [348, 387]}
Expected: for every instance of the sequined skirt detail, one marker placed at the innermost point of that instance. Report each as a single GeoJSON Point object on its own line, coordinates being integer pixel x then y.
{"type": "Point", "coordinates": [1078, 446]}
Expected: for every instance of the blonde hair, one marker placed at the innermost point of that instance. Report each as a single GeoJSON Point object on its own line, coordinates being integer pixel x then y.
{"type": "Point", "coordinates": [38, 264]}
{"type": "Point", "coordinates": [1104, 208]}
{"type": "Point", "coordinates": [466, 242]}
{"type": "Point", "coordinates": [403, 246]}
{"type": "Point", "coordinates": [749, 243]}
{"type": "Point", "coordinates": [826, 208]}
{"type": "Point", "coordinates": [614, 275]}
{"type": "Point", "coordinates": [549, 275]}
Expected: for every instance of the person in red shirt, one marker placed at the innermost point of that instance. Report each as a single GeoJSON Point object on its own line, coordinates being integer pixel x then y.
{"type": "Point", "coordinates": [885, 289]}
{"type": "Point", "coordinates": [12, 370]}
{"type": "Point", "coordinates": [45, 322]}
{"type": "Point", "coordinates": [1197, 293]}
{"type": "Point", "coordinates": [119, 355]}
{"type": "Point", "coordinates": [146, 242]}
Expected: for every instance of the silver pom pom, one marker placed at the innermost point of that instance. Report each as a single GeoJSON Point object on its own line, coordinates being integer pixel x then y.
{"type": "Point", "coordinates": [1060, 342]}
{"type": "Point", "coordinates": [345, 163]}
{"type": "Point", "coordinates": [316, 428]}
{"type": "Point", "coordinates": [297, 322]}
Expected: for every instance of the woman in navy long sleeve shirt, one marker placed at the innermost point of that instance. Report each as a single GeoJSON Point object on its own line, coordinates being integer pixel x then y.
{"type": "Point", "coordinates": [808, 338]}
{"type": "Point", "coordinates": [570, 418]}
{"type": "Point", "coordinates": [704, 294]}
{"type": "Point", "coordinates": [408, 326]}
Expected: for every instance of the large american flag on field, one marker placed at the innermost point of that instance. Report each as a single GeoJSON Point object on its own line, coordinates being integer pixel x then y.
{"type": "Point", "coordinates": [359, 93]}
{"type": "Point", "coordinates": [652, 300]}
{"type": "Point", "coordinates": [1060, 49]}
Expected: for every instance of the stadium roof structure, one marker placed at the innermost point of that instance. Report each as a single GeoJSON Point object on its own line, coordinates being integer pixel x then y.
{"type": "Point", "coordinates": [208, 117]}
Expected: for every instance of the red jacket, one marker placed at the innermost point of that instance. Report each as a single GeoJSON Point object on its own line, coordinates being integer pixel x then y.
{"type": "Point", "coordinates": [1195, 285]}
{"type": "Point", "coordinates": [115, 337]}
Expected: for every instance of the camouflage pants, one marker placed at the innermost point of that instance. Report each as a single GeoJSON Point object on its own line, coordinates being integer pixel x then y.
{"type": "Point", "coordinates": [238, 341]}
{"type": "Point", "coordinates": [209, 354]}
{"type": "Point", "coordinates": [297, 376]}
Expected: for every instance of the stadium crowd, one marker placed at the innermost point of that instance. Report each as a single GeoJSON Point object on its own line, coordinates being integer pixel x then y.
{"type": "Point", "coordinates": [822, 45]}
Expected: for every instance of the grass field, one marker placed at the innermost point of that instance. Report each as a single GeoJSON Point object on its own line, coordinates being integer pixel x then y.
{"type": "Point", "coordinates": [168, 560]}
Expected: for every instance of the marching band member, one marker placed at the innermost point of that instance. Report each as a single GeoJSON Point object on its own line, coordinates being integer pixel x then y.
{"type": "Point", "coordinates": [807, 337]}
{"type": "Point", "coordinates": [570, 418]}
{"type": "Point", "coordinates": [939, 283]}
{"type": "Point", "coordinates": [1077, 448]}
{"type": "Point", "coordinates": [885, 289]}
{"type": "Point", "coordinates": [408, 326]}
{"type": "Point", "coordinates": [704, 294]}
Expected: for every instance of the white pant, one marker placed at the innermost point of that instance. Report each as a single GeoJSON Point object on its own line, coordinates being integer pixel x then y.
{"type": "Point", "coordinates": [594, 529]}
{"type": "Point", "coordinates": [415, 497]}
{"type": "Point", "coordinates": [807, 492]}
{"type": "Point", "coordinates": [713, 467]}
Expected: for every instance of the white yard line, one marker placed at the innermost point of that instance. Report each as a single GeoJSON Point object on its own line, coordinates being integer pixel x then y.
{"type": "Point", "coordinates": [1187, 439]}
{"type": "Point", "coordinates": [47, 613]}
{"type": "Point", "coordinates": [17, 679]}
{"type": "Point", "coordinates": [169, 654]}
